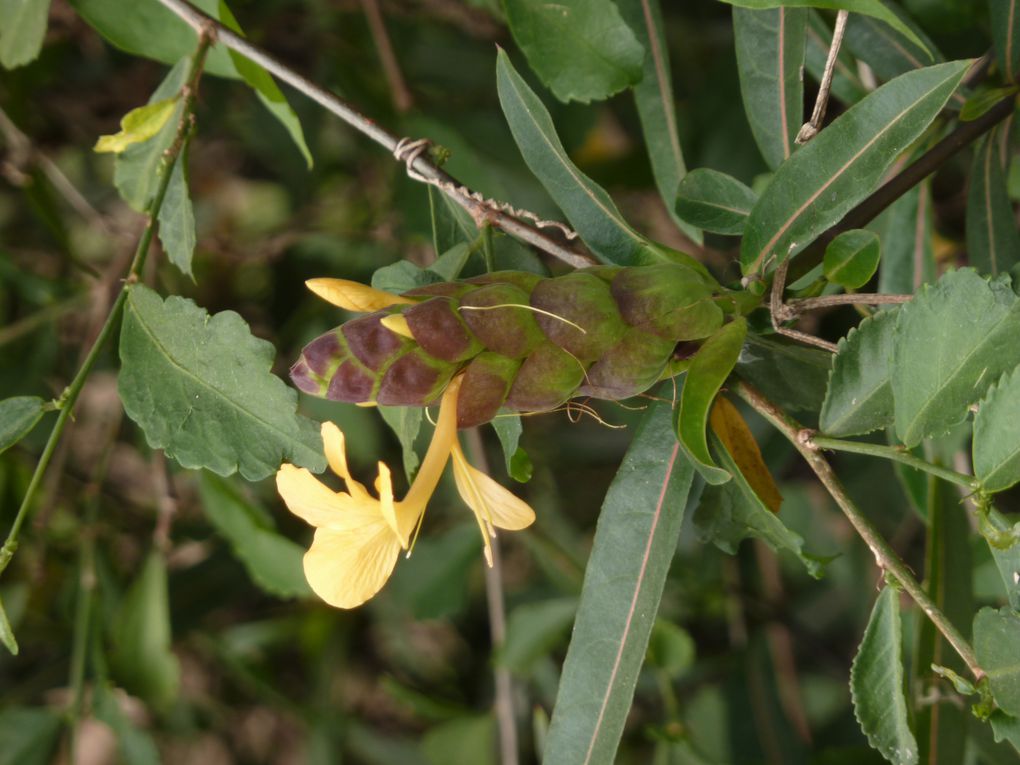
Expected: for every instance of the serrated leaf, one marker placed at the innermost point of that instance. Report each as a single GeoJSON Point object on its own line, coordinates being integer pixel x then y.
{"type": "Point", "coordinates": [997, 645]}
{"type": "Point", "coordinates": [273, 562]}
{"type": "Point", "coordinates": [770, 55]}
{"type": "Point", "coordinates": [141, 657]}
{"type": "Point", "coordinates": [993, 244]}
{"type": "Point", "coordinates": [874, 8]}
{"type": "Point", "coordinates": [953, 341]}
{"type": "Point", "coordinates": [847, 85]}
{"type": "Point", "coordinates": [138, 125]}
{"type": "Point", "coordinates": [733, 433]}
{"type": "Point", "coordinates": [177, 219]}
{"type": "Point", "coordinates": [733, 512]}
{"type": "Point", "coordinates": [1005, 26]}
{"type": "Point", "coordinates": [533, 630]}
{"type": "Point", "coordinates": [714, 201]}
{"type": "Point", "coordinates": [587, 206]}
{"type": "Point", "coordinates": [851, 259]}
{"type": "Point", "coordinates": [1005, 728]}
{"type": "Point", "coordinates": [22, 30]}
{"type": "Point", "coordinates": [29, 734]}
{"type": "Point", "coordinates": [581, 49]}
{"type": "Point", "coordinates": [405, 422]}
{"type": "Point", "coordinates": [876, 683]}
{"type": "Point", "coordinates": [996, 445]}
{"type": "Point", "coordinates": [859, 398]}
{"type": "Point", "coordinates": [905, 228]}
{"type": "Point", "coordinates": [1007, 560]}
{"type": "Point", "coordinates": [635, 540]}
{"type": "Point", "coordinates": [18, 415]}
{"type": "Point", "coordinates": [840, 166]}
{"type": "Point", "coordinates": [709, 369]}
{"type": "Point", "coordinates": [199, 386]}
{"type": "Point", "coordinates": [790, 375]}
{"type": "Point", "coordinates": [653, 96]}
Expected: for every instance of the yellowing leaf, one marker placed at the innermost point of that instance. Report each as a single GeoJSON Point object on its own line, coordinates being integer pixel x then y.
{"type": "Point", "coordinates": [728, 424]}
{"type": "Point", "coordinates": [138, 125]}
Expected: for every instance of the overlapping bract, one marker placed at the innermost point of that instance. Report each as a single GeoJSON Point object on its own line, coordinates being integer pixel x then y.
{"type": "Point", "coordinates": [523, 342]}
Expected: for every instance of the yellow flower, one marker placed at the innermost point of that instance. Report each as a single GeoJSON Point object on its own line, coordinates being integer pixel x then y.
{"type": "Point", "coordinates": [358, 536]}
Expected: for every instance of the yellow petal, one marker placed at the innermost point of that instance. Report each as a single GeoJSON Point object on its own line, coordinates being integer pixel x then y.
{"type": "Point", "coordinates": [352, 296]}
{"type": "Point", "coordinates": [346, 568]}
{"type": "Point", "coordinates": [334, 445]}
{"type": "Point", "coordinates": [388, 510]}
{"type": "Point", "coordinates": [308, 498]}
{"type": "Point", "coordinates": [396, 322]}
{"type": "Point", "coordinates": [492, 503]}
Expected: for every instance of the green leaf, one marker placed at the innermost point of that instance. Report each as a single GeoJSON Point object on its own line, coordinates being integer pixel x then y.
{"type": "Point", "coordinates": [770, 55]}
{"type": "Point", "coordinates": [859, 398]}
{"type": "Point", "coordinates": [200, 388]}
{"type": "Point", "coordinates": [1005, 728]}
{"type": "Point", "coordinates": [587, 206]}
{"type": "Point", "coordinates": [451, 223]}
{"type": "Point", "coordinates": [22, 29]}
{"type": "Point", "coordinates": [873, 8]}
{"type": "Point", "coordinates": [996, 445]}
{"type": "Point", "coordinates": [790, 375]}
{"type": "Point", "coordinates": [851, 259]}
{"type": "Point", "coordinates": [997, 645]}
{"type": "Point", "coordinates": [714, 201]}
{"type": "Point", "coordinates": [1005, 25]}
{"type": "Point", "coordinates": [581, 49]}
{"type": "Point", "coordinates": [6, 633]}
{"type": "Point", "coordinates": [18, 416]}
{"type": "Point", "coordinates": [449, 265]}
{"type": "Point", "coordinates": [980, 102]}
{"type": "Point", "coordinates": [177, 219]}
{"type": "Point", "coordinates": [464, 741]}
{"type": "Point", "coordinates": [905, 229]}
{"type": "Point", "coordinates": [653, 96]}
{"type": "Point", "coordinates": [405, 422]}
{"type": "Point", "coordinates": [876, 683]}
{"type": "Point", "coordinates": [533, 630]}
{"type": "Point", "coordinates": [135, 168]}
{"type": "Point", "coordinates": [1007, 559]}
{"type": "Point", "coordinates": [841, 165]}
{"type": "Point", "coordinates": [671, 648]}
{"type": "Point", "coordinates": [887, 51]}
{"type": "Point", "coordinates": [29, 734]}
{"type": "Point", "coordinates": [993, 244]}
{"type": "Point", "coordinates": [273, 562]}
{"type": "Point", "coordinates": [141, 658]}
{"type": "Point", "coordinates": [733, 512]}
{"type": "Point", "coordinates": [709, 369]}
{"type": "Point", "coordinates": [135, 745]}
{"type": "Point", "coordinates": [953, 341]}
{"type": "Point", "coordinates": [847, 85]}
{"type": "Point", "coordinates": [508, 430]}
{"type": "Point", "coordinates": [402, 276]}
{"type": "Point", "coordinates": [634, 544]}
{"type": "Point", "coordinates": [138, 125]}
{"type": "Point", "coordinates": [433, 583]}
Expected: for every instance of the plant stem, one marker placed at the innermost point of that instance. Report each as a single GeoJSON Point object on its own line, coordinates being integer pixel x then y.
{"type": "Point", "coordinates": [885, 557]}
{"type": "Point", "coordinates": [810, 129]}
{"type": "Point", "coordinates": [421, 165]}
{"type": "Point", "coordinates": [803, 305]}
{"type": "Point", "coordinates": [896, 455]}
{"type": "Point", "coordinates": [70, 395]}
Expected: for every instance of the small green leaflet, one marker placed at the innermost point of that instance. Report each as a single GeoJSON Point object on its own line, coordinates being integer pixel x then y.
{"type": "Point", "coordinates": [405, 422]}
{"type": "Point", "coordinates": [997, 645]}
{"type": "Point", "coordinates": [714, 201]}
{"type": "Point", "coordinates": [851, 259]}
{"type": "Point", "coordinates": [996, 445]}
{"type": "Point", "coordinates": [177, 219]}
{"type": "Point", "coordinates": [876, 683]}
{"type": "Point", "coordinates": [22, 29]}
{"type": "Point", "coordinates": [18, 415]}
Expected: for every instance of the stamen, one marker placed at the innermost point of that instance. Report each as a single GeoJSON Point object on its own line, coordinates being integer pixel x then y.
{"type": "Point", "coordinates": [550, 314]}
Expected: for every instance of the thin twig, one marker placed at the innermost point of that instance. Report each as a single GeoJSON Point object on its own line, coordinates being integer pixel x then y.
{"type": "Point", "coordinates": [896, 455]}
{"type": "Point", "coordinates": [810, 128]}
{"type": "Point", "coordinates": [402, 100]}
{"type": "Point", "coordinates": [803, 305]}
{"type": "Point", "coordinates": [504, 702]}
{"type": "Point", "coordinates": [780, 313]}
{"type": "Point", "coordinates": [422, 165]}
{"type": "Point", "coordinates": [885, 557]}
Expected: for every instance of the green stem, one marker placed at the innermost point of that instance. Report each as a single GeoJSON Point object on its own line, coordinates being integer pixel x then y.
{"type": "Point", "coordinates": [885, 556]}
{"type": "Point", "coordinates": [70, 396]}
{"type": "Point", "coordinates": [82, 622]}
{"type": "Point", "coordinates": [896, 455]}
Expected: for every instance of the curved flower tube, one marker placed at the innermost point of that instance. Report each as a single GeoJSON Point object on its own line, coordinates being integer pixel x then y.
{"type": "Point", "coordinates": [358, 536]}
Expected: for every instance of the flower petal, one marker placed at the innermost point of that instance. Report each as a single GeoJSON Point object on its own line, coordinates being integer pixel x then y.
{"type": "Point", "coordinates": [492, 503]}
{"type": "Point", "coordinates": [352, 296]}
{"type": "Point", "coordinates": [387, 508]}
{"type": "Point", "coordinates": [346, 568]}
{"type": "Point", "coordinates": [334, 445]}
{"type": "Point", "coordinates": [308, 498]}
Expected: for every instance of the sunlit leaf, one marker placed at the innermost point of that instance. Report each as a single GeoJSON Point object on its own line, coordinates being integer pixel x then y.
{"type": "Point", "coordinates": [876, 683]}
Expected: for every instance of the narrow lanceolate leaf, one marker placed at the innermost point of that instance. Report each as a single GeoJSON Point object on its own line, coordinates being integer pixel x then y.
{"type": "Point", "coordinates": [634, 544]}
{"type": "Point", "coordinates": [908, 255]}
{"type": "Point", "coordinates": [996, 440]}
{"type": "Point", "coordinates": [581, 49]}
{"type": "Point", "coordinates": [653, 96]}
{"type": "Point", "coordinates": [708, 371]}
{"type": "Point", "coordinates": [22, 29]}
{"type": "Point", "coordinates": [876, 683]}
{"type": "Point", "coordinates": [874, 8]}
{"type": "Point", "coordinates": [851, 259]}
{"type": "Point", "coordinates": [887, 51]}
{"type": "Point", "coordinates": [847, 85]}
{"type": "Point", "coordinates": [790, 375]}
{"type": "Point", "coordinates": [714, 201]}
{"type": "Point", "coordinates": [840, 166]}
{"type": "Point", "coordinates": [770, 55]}
{"type": "Point", "coordinates": [18, 416]}
{"type": "Point", "coordinates": [273, 562]}
{"type": "Point", "coordinates": [586, 204]}
{"type": "Point", "coordinates": [1005, 23]}
{"type": "Point", "coordinates": [859, 398]}
{"type": "Point", "coordinates": [997, 645]}
{"type": "Point", "coordinates": [201, 389]}
{"type": "Point", "coordinates": [993, 244]}
{"type": "Point", "coordinates": [734, 434]}
{"type": "Point", "coordinates": [953, 341]}
{"type": "Point", "coordinates": [177, 219]}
